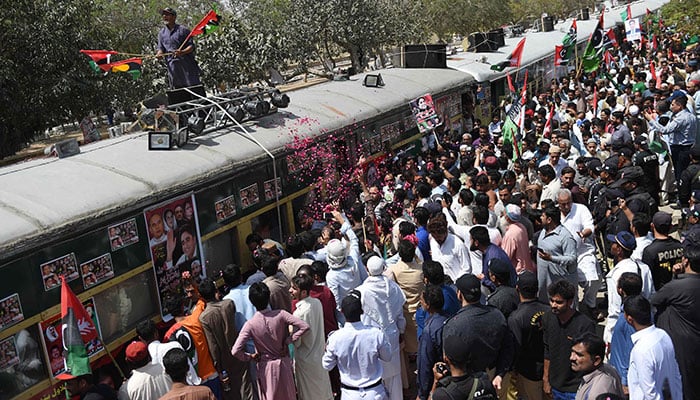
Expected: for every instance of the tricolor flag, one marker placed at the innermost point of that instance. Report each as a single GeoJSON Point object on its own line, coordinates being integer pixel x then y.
{"type": "Point", "coordinates": [513, 59]}
{"type": "Point", "coordinates": [610, 39]}
{"type": "Point", "coordinates": [561, 55]}
{"type": "Point", "coordinates": [627, 14]}
{"type": "Point", "coordinates": [594, 48]}
{"type": "Point", "coordinates": [76, 329]}
{"type": "Point", "coordinates": [100, 59]}
{"type": "Point", "coordinates": [510, 83]}
{"type": "Point", "coordinates": [131, 66]}
{"type": "Point", "coordinates": [547, 131]}
{"type": "Point", "coordinates": [570, 38]}
{"type": "Point", "coordinates": [607, 58]}
{"type": "Point", "coordinates": [208, 24]}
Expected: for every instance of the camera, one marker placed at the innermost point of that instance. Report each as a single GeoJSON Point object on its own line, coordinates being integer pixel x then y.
{"type": "Point", "coordinates": [443, 369]}
{"type": "Point", "coordinates": [615, 203]}
{"type": "Point", "coordinates": [328, 216]}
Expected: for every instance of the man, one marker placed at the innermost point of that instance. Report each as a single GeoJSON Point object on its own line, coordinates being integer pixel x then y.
{"type": "Point", "coordinates": [653, 365]}
{"type": "Point", "coordinates": [219, 323]}
{"type": "Point", "coordinates": [148, 381]}
{"type": "Point", "coordinates": [682, 131]}
{"type": "Point", "coordinates": [640, 227]}
{"type": "Point", "coordinates": [664, 252]}
{"type": "Point", "coordinates": [567, 182]}
{"type": "Point", "coordinates": [278, 284]}
{"type": "Point", "coordinates": [504, 297]}
{"type": "Point", "coordinates": [579, 222]}
{"type": "Point", "coordinates": [621, 132]}
{"type": "Point", "coordinates": [463, 381]}
{"type": "Point", "coordinates": [550, 183]}
{"type": "Point", "coordinates": [556, 252]}
{"type": "Point", "coordinates": [629, 284]}
{"type": "Point", "coordinates": [482, 330]}
{"type": "Point", "coordinates": [312, 380]}
{"type": "Point", "coordinates": [344, 274]}
{"type": "Point", "coordinates": [183, 70]}
{"type": "Point", "coordinates": [358, 351]}
{"type": "Point", "coordinates": [525, 323]}
{"type": "Point", "coordinates": [515, 241]}
{"type": "Point", "coordinates": [83, 387]}
{"type": "Point", "coordinates": [560, 325]}
{"type": "Point", "coordinates": [383, 300]}
{"type": "Point", "coordinates": [270, 332]}
{"type": "Point", "coordinates": [481, 241]}
{"type": "Point", "coordinates": [678, 313]}
{"type": "Point", "coordinates": [621, 248]}
{"type": "Point", "coordinates": [295, 249]}
{"type": "Point", "coordinates": [430, 342]}
{"type": "Point", "coordinates": [408, 274]}
{"type": "Point", "coordinates": [448, 249]}
{"type": "Point", "coordinates": [147, 332]}
{"type": "Point", "coordinates": [554, 160]}
{"type": "Point", "coordinates": [587, 356]}
{"type": "Point", "coordinates": [690, 177]}
{"type": "Point", "coordinates": [648, 161]}
{"type": "Point", "coordinates": [176, 366]}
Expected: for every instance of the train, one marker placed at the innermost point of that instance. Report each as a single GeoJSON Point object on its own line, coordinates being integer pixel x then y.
{"type": "Point", "coordinates": [120, 222]}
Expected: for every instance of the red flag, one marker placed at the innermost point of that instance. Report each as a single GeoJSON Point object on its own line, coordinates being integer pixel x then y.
{"type": "Point", "coordinates": [510, 83]}
{"type": "Point", "coordinates": [661, 24]}
{"type": "Point", "coordinates": [524, 91]}
{"type": "Point", "coordinates": [558, 59]}
{"type": "Point", "coordinates": [207, 24]}
{"type": "Point", "coordinates": [607, 58]}
{"type": "Point", "coordinates": [517, 54]}
{"type": "Point", "coordinates": [648, 12]}
{"type": "Point", "coordinates": [629, 11]}
{"type": "Point", "coordinates": [547, 131]}
{"type": "Point", "coordinates": [655, 44]}
{"type": "Point", "coordinates": [611, 37]}
{"type": "Point", "coordinates": [70, 301]}
{"type": "Point", "coordinates": [652, 70]}
{"type": "Point", "coordinates": [101, 58]}
{"type": "Point", "coordinates": [595, 101]}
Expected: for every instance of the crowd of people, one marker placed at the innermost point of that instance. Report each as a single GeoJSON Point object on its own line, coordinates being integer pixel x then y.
{"type": "Point", "coordinates": [549, 274]}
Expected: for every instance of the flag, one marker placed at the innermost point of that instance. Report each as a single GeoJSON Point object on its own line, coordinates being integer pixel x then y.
{"type": "Point", "coordinates": [547, 131]}
{"type": "Point", "coordinates": [652, 70]}
{"type": "Point", "coordinates": [610, 39]}
{"type": "Point", "coordinates": [513, 59]}
{"type": "Point", "coordinates": [561, 55]}
{"type": "Point", "coordinates": [595, 101]}
{"type": "Point", "coordinates": [131, 66]}
{"type": "Point", "coordinates": [510, 83]}
{"type": "Point", "coordinates": [77, 329]}
{"type": "Point", "coordinates": [607, 58]}
{"type": "Point", "coordinates": [570, 38]}
{"type": "Point", "coordinates": [100, 59]}
{"type": "Point", "coordinates": [691, 43]}
{"type": "Point", "coordinates": [597, 37]}
{"type": "Point", "coordinates": [627, 14]}
{"type": "Point", "coordinates": [509, 131]}
{"type": "Point", "coordinates": [591, 58]}
{"type": "Point", "coordinates": [654, 44]}
{"type": "Point", "coordinates": [208, 24]}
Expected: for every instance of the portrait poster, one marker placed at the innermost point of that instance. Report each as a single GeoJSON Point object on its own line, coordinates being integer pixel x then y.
{"type": "Point", "coordinates": [390, 132]}
{"type": "Point", "coordinates": [52, 270]}
{"type": "Point", "coordinates": [632, 30]}
{"type": "Point", "coordinates": [8, 353]}
{"type": "Point", "coordinates": [270, 187]}
{"type": "Point", "coordinates": [10, 311]}
{"type": "Point", "coordinates": [423, 110]}
{"type": "Point", "coordinates": [225, 208]}
{"type": "Point", "coordinates": [175, 245]}
{"type": "Point", "coordinates": [52, 338]}
{"type": "Point", "coordinates": [97, 270]}
{"type": "Point", "coordinates": [249, 196]}
{"type": "Point", "coordinates": [123, 234]}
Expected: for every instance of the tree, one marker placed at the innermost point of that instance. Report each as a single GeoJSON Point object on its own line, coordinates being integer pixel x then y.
{"type": "Point", "coordinates": [684, 14]}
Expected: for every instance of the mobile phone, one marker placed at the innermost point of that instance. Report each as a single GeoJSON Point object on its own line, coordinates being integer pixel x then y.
{"type": "Point", "coordinates": [540, 249]}
{"type": "Point", "coordinates": [327, 216]}
{"type": "Point", "coordinates": [615, 203]}
{"type": "Point", "coordinates": [442, 369]}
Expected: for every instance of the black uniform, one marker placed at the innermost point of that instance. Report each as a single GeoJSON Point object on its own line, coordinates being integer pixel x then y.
{"type": "Point", "coordinates": [558, 340]}
{"type": "Point", "coordinates": [678, 313]}
{"type": "Point", "coordinates": [660, 255]}
{"type": "Point", "coordinates": [688, 183]}
{"type": "Point", "coordinates": [526, 325]}
{"type": "Point", "coordinates": [470, 386]}
{"type": "Point", "coordinates": [649, 162]}
{"type": "Point", "coordinates": [504, 298]}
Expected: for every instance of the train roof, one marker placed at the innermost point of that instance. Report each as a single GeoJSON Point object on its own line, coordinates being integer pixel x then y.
{"type": "Point", "coordinates": [541, 44]}
{"type": "Point", "coordinates": [44, 198]}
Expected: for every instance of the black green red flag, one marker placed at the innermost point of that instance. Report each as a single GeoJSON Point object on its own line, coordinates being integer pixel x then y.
{"type": "Point", "coordinates": [100, 59]}
{"type": "Point", "coordinates": [513, 59]}
{"type": "Point", "coordinates": [77, 329]}
{"type": "Point", "coordinates": [131, 66]}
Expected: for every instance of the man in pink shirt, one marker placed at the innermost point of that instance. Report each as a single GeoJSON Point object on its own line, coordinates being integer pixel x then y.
{"type": "Point", "coordinates": [515, 241]}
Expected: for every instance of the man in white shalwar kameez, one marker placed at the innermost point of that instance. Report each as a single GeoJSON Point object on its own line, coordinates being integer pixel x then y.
{"type": "Point", "coordinates": [382, 303]}
{"type": "Point", "coordinates": [312, 380]}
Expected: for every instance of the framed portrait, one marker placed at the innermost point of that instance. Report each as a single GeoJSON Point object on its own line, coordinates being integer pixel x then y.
{"type": "Point", "coordinates": [123, 234]}
{"type": "Point", "coordinates": [270, 187]}
{"type": "Point", "coordinates": [225, 208]}
{"type": "Point", "coordinates": [159, 140]}
{"type": "Point", "coordinates": [52, 270]}
{"type": "Point", "coordinates": [97, 270]}
{"type": "Point", "coordinates": [9, 356]}
{"type": "Point", "coordinates": [10, 311]}
{"type": "Point", "coordinates": [250, 196]}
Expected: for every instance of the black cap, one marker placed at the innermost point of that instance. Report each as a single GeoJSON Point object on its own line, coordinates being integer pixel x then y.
{"type": "Point", "coordinates": [595, 165]}
{"type": "Point", "coordinates": [527, 282]}
{"type": "Point", "coordinates": [168, 10]}
{"type": "Point", "coordinates": [626, 151]}
{"type": "Point", "coordinates": [470, 286]}
{"type": "Point", "coordinates": [500, 267]}
{"type": "Point", "coordinates": [662, 221]}
{"type": "Point", "coordinates": [641, 140]}
{"type": "Point", "coordinates": [629, 174]}
{"type": "Point", "coordinates": [351, 304]}
{"type": "Point", "coordinates": [695, 152]}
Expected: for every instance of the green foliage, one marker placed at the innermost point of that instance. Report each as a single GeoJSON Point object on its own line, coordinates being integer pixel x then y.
{"type": "Point", "coordinates": [685, 14]}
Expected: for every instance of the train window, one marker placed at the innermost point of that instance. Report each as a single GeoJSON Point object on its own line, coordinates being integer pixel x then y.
{"type": "Point", "coordinates": [122, 306]}
{"type": "Point", "coordinates": [221, 250]}
{"type": "Point", "coordinates": [268, 225]}
{"type": "Point", "coordinates": [21, 363]}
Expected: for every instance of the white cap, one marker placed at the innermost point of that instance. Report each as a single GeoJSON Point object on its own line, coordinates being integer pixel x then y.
{"type": "Point", "coordinates": [375, 266]}
{"type": "Point", "coordinates": [513, 212]}
{"type": "Point", "coordinates": [337, 255]}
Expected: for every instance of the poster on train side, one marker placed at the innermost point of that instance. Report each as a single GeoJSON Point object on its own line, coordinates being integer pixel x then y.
{"type": "Point", "coordinates": [97, 270]}
{"type": "Point", "coordinates": [8, 353]}
{"type": "Point", "coordinates": [423, 110]}
{"type": "Point", "coordinates": [10, 311]}
{"type": "Point", "coordinates": [123, 234]}
{"type": "Point", "coordinates": [52, 270]}
{"type": "Point", "coordinates": [51, 334]}
{"type": "Point", "coordinates": [175, 245]}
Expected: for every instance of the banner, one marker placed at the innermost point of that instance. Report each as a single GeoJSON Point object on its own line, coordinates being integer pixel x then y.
{"type": "Point", "coordinates": [632, 30]}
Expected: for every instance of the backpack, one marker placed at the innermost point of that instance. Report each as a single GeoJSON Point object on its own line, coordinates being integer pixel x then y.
{"type": "Point", "coordinates": [649, 204]}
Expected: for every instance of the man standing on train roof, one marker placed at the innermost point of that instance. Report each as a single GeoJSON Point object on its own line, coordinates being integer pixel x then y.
{"type": "Point", "coordinates": [183, 70]}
